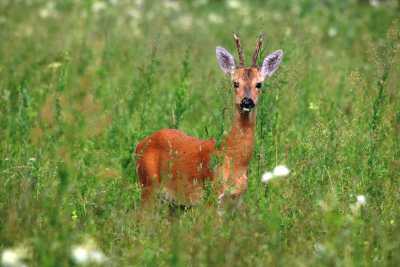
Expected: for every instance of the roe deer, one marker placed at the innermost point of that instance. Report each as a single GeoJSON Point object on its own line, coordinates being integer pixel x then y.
{"type": "Point", "coordinates": [180, 165]}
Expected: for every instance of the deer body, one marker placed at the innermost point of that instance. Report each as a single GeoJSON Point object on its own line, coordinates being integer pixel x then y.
{"type": "Point", "coordinates": [179, 165]}
{"type": "Point", "coordinates": [176, 162]}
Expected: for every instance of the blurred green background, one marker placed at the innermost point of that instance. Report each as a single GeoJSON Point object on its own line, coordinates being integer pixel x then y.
{"type": "Point", "coordinates": [82, 81]}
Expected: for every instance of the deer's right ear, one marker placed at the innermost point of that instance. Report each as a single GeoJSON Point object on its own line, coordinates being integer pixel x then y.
{"type": "Point", "coordinates": [225, 60]}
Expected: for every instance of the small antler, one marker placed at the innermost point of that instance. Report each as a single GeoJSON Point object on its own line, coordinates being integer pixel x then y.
{"type": "Point", "coordinates": [258, 48]}
{"type": "Point", "coordinates": [239, 49]}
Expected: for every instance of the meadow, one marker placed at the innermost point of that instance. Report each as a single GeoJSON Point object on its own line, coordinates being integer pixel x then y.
{"type": "Point", "coordinates": [81, 82]}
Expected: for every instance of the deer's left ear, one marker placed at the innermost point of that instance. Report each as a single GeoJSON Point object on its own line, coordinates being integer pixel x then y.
{"type": "Point", "coordinates": [271, 63]}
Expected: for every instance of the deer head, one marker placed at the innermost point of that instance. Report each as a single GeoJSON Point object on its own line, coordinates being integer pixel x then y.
{"type": "Point", "coordinates": [247, 81]}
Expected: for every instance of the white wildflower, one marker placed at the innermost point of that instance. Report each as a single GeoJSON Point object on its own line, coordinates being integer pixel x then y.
{"type": "Point", "coordinates": [32, 159]}
{"type": "Point", "coordinates": [332, 32]}
{"type": "Point", "coordinates": [97, 256]}
{"type": "Point", "coordinates": [320, 249]}
{"type": "Point", "coordinates": [233, 4]}
{"type": "Point", "coordinates": [267, 176]}
{"type": "Point", "coordinates": [215, 18]}
{"type": "Point", "coordinates": [98, 6]}
{"type": "Point", "coordinates": [9, 258]}
{"type": "Point", "coordinates": [54, 65]}
{"type": "Point", "coordinates": [361, 200]}
{"type": "Point", "coordinates": [87, 253]}
{"type": "Point", "coordinates": [80, 255]}
{"type": "Point", "coordinates": [281, 171]}
{"type": "Point", "coordinates": [374, 3]}
{"type": "Point", "coordinates": [14, 257]}
{"type": "Point", "coordinates": [48, 11]}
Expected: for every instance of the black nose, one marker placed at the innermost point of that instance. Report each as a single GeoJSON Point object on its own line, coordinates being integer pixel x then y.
{"type": "Point", "coordinates": [247, 103]}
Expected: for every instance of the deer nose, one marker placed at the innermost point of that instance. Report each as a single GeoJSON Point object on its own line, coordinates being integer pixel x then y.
{"type": "Point", "coordinates": [247, 104]}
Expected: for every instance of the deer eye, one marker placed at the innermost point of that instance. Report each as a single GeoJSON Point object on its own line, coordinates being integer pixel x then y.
{"type": "Point", "coordinates": [258, 85]}
{"type": "Point", "coordinates": [236, 84]}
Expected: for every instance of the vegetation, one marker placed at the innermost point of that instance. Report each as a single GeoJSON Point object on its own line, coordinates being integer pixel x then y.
{"type": "Point", "coordinates": [82, 81]}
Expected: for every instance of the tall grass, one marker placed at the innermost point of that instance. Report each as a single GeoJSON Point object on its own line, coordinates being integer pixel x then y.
{"type": "Point", "coordinates": [81, 83]}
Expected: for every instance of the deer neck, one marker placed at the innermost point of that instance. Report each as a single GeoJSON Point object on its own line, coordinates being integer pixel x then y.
{"type": "Point", "coordinates": [238, 145]}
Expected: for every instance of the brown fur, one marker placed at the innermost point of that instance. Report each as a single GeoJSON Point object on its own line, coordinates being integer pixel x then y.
{"type": "Point", "coordinates": [178, 164]}
{"type": "Point", "coordinates": [175, 161]}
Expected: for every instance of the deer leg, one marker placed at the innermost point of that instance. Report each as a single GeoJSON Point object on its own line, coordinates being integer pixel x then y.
{"type": "Point", "coordinates": [233, 195]}
{"type": "Point", "coordinates": [147, 195]}
{"type": "Point", "coordinates": [148, 171]}
{"type": "Point", "coordinates": [240, 186]}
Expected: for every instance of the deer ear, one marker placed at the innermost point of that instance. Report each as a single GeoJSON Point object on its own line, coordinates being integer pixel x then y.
{"type": "Point", "coordinates": [271, 63]}
{"type": "Point", "coordinates": [225, 60]}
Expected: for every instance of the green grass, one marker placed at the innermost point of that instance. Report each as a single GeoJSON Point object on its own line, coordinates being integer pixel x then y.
{"type": "Point", "coordinates": [80, 87]}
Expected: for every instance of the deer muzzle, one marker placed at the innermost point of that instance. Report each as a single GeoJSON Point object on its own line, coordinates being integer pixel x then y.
{"type": "Point", "coordinates": [247, 104]}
